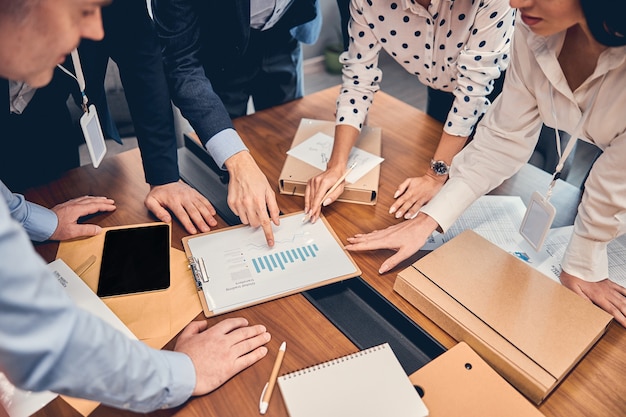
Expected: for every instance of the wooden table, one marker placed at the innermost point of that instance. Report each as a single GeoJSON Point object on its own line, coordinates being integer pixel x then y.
{"type": "Point", "coordinates": [596, 387]}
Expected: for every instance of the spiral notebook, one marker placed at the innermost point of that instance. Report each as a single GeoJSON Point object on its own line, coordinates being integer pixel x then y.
{"type": "Point", "coordinates": [369, 383]}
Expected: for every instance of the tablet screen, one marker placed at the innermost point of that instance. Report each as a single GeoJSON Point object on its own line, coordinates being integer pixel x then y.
{"type": "Point", "coordinates": [135, 260]}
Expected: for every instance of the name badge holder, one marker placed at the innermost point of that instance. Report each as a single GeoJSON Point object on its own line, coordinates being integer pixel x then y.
{"type": "Point", "coordinates": [540, 212]}
{"type": "Point", "coordinates": [89, 121]}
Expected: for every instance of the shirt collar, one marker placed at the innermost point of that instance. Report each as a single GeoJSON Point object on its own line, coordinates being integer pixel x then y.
{"type": "Point", "coordinates": [547, 48]}
{"type": "Point", "coordinates": [418, 9]}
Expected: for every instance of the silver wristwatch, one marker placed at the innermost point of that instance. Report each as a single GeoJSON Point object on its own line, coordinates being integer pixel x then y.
{"type": "Point", "coordinates": [439, 167]}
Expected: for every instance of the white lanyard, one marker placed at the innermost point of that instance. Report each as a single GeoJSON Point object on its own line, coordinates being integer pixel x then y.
{"type": "Point", "coordinates": [573, 138]}
{"type": "Point", "coordinates": [79, 77]}
{"type": "Point", "coordinates": [89, 121]}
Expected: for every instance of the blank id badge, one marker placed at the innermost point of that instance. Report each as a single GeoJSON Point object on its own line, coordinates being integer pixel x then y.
{"type": "Point", "coordinates": [90, 125]}
{"type": "Point", "coordinates": [537, 220]}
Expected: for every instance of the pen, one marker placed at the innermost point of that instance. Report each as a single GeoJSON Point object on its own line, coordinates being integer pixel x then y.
{"type": "Point", "coordinates": [334, 187]}
{"type": "Point", "coordinates": [269, 386]}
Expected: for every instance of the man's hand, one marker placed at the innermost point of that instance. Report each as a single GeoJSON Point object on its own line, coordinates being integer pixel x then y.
{"type": "Point", "coordinates": [413, 193]}
{"type": "Point", "coordinates": [405, 238]}
{"type": "Point", "coordinates": [188, 205]}
{"type": "Point", "coordinates": [250, 196]}
{"type": "Point", "coordinates": [221, 351]}
{"type": "Point", "coordinates": [69, 212]}
{"type": "Point", "coordinates": [606, 294]}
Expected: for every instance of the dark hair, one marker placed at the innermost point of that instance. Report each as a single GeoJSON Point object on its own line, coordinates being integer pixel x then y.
{"type": "Point", "coordinates": [606, 20]}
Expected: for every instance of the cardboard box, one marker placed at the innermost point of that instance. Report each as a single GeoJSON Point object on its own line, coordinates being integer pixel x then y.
{"type": "Point", "coordinates": [530, 329]}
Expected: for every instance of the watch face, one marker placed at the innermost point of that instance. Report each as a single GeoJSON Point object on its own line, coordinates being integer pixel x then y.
{"type": "Point", "coordinates": [439, 167]}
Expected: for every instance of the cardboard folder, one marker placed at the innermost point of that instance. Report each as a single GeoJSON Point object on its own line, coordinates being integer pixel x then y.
{"type": "Point", "coordinates": [532, 330]}
{"type": "Point", "coordinates": [296, 173]}
{"type": "Point", "coordinates": [155, 317]}
{"type": "Point", "coordinates": [460, 383]}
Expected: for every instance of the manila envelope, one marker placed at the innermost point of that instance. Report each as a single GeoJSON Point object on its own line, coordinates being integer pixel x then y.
{"type": "Point", "coordinates": [155, 317]}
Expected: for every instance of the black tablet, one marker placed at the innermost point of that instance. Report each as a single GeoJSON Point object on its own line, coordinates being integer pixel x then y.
{"type": "Point", "coordinates": [135, 260]}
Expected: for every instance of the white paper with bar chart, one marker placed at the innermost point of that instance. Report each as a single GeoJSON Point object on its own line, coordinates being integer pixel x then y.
{"type": "Point", "coordinates": [234, 267]}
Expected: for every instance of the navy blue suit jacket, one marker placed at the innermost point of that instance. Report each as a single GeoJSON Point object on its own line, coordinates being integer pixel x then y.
{"type": "Point", "coordinates": [201, 38]}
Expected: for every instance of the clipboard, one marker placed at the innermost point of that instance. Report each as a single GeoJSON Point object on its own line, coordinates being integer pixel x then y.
{"type": "Point", "coordinates": [233, 268]}
{"type": "Point", "coordinates": [460, 383]}
{"type": "Point", "coordinates": [295, 173]}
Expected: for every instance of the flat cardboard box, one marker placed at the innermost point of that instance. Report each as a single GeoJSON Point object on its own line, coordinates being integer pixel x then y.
{"type": "Point", "coordinates": [459, 383]}
{"type": "Point", "coordinates": [530, 329]}
{"type": "Point", "coordinates": [296, 173]}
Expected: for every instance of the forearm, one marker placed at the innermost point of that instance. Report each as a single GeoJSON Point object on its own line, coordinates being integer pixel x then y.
{"type": "Point", "coordinates": [601, 215]}
{"type": "Point", "coordinates": [586, 255]}
{"type": "Point", "coordinates": [39, 222]}
{"type": "Point", "coordinates": [238, 163]}
{"type": "Point", "coordinates": [154, 126]}
{"type": "Point", "coordinates": [361, 75]}
{"type": "Point", "coordinates": [449, 145]}
{"type": "Point", "coordinates": [482, 60]}
{"type": "Point", "coordinates": [345, 138]}
{"type": "Point", "coordinates": [148, 98]}
{"type": "Point", "coordinates": [179, 32]}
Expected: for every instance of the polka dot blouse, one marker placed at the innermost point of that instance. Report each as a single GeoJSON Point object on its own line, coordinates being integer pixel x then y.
{"type": "Point", "coordinates": [459, 46]}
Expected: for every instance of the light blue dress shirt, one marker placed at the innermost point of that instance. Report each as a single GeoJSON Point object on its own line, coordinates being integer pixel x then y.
{"type": "Point", "coordinates": [39, 222]}
{"type": "Point", "coordinates": [223, 145]}
{"type": "Point", "coordinates": [48, 343]}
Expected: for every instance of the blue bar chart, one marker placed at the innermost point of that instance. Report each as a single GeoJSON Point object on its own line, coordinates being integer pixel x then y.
{"type": "Point", "coordinates": [280, 261]}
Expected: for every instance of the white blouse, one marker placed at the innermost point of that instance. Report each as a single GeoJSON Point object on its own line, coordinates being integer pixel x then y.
{"type": "Point", "coordinates": [507, 135]}
{"type": "Point", "coordinates": [458, 46]}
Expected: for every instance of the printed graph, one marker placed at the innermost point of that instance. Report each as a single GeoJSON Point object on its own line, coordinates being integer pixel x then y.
{"type": "Point", "coordinates": [241, 269]}
{"type": "Point", "coordinates": [279, 261]}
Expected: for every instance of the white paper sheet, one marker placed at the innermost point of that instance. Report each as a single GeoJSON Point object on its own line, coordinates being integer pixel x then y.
{"type": "Point", "coordinates": [548, 259]}
{"type": "Point", "coordinates": [317, 149]}
{"type": "Point", "coordinates": [20, 403]}
{"type": "Point", "coordinates": [242, 269]}
{"type": "Point", "coordinates": [496, 218]}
